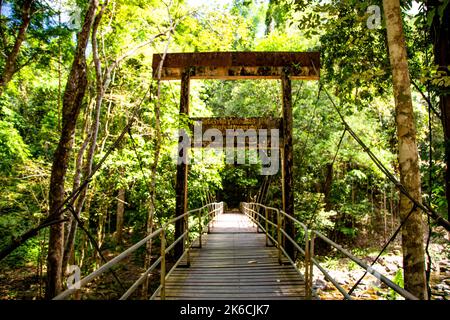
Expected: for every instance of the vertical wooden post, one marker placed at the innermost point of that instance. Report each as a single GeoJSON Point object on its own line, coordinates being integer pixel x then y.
{"type": "Point", "coordinates": [200, 228]}
{"type": "Point", "coordinates": [187, 241]}
{"type": "Point", "coordinates": [279, 236]}
{"type": "Point", "coordinates": [208, 221]}
{"type": "Point", "coordinates": [163, 266]}
{"type": "Point", "coordinates": [283, 187]}
{"type": "Point", "coordinates": [182, 169]}
{"type": "Point", "coordinates": [266, 214]}
{"type": "Point", "coordinates": [307, 264]}
{"type": "Point", "coordinates": [283, 199]}
{"type": "Point", "coordinates": [311, 257]}
{"type": "Point", "coordinates": [288, 159]}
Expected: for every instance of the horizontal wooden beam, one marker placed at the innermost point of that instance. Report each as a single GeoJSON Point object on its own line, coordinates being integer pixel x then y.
{"type": "Point", "coordinates": [239, 65]}
{"type": "Point", "coordinates": [248, 128]}
{"type": "Point", "coordinates": [238, 123]}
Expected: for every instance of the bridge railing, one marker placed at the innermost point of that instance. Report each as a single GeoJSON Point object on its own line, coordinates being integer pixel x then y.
{"type": "Point", "coordinates": [252, 210]}
{"type": "Point", "coordinates": [204, 217]}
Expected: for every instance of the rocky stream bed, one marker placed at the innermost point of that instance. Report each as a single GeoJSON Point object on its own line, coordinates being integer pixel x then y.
{"type": "Point", "coordinates": [347, 273]}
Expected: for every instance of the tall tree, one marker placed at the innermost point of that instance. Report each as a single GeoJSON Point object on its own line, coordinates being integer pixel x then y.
{"type": "Point", "coordinates": [92, 137]}
{"type": "Point", "coordinates": [11, 54]}
{"type": "Point", "coordinates": [440, 35]}
{"type": "Point", "coordinates": [72, 101]}
{"type": "Point", "coordinates": [412, 232]}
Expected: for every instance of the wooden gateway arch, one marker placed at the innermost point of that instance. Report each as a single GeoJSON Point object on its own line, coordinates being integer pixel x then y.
{"type": "Point", "coordinates": [284, 66]}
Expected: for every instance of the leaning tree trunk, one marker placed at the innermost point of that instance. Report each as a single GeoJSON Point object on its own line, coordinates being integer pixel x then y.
{"type": "Point", "coordinates": [440, 34]}
{"type": "Point", "coordinates": [103, 81]}
{"type": "Point", "coordinates": [412, 232]}
{"type": "Point", "coordinates": [327, 184]}
{"type": "Point", "coordinates": [120, 215]}
{"type": "Point", "coordinates": [76, 184]}
{"type": "Point", "coordinates": [154, 167]}
{"type": "Point", "coordinates": [93, 135]}
{"type": "Point", "coordinates": [72, 100]}
{"type": "Point", "coordinates": [11, 57]}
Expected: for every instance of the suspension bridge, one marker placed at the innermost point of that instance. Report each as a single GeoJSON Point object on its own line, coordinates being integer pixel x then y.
{"type": "Point", "coordinates": [235, 256]}
{"type": "Point", "coordinates": [259, 252]}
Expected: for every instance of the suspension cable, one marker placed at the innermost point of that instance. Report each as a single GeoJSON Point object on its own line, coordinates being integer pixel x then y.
{"type": "Point", "coordinates": [94, 243]}
{"type": "Point", "coordinates": [391, 239]}
{"type": "Point", "coordinates": [139, 158]}
{"type": "Point", "coordinates": [424, 207]}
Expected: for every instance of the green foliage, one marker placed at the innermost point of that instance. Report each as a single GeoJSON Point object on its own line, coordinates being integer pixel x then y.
{"type": "Point", "coordinates": [398, 280]}
{"type": "Point", "coordinates": [13, 150]}
{"type": "Point", "coordinates": [355, 71]}
{"type": "Point", "coordinates": [29, 253]}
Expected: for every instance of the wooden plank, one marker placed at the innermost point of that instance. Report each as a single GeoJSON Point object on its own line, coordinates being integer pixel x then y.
{"type": "Point", "coordinates": [237, 298]}
{"type": "Point", "coordinates": [221, 269]}
{"type": "Point", "coordinates": [239, 65]}
{"type": "Point", "coordinates": [188, 281]}
{"type": "Point", "coordinates": [234, 296]}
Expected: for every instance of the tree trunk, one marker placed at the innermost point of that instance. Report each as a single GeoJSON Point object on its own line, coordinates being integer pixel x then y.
{"type": "Point", "coordinates": [288, 161]}
{"type": "Point", "coordinates": [440, 33]}
{"type": "Point", "coordinates": [412, 232]}
{"type": "Point", "coordinates": [76, 184]}
{"type": "Point", "coordinates": [11, 58]}
{"type": "Point", "coordinates": [327, 186]}
{"type": "Point", "coordinates": [353, 192]}
{"type": "Point", "coordinates": [154, 168]}
{"type": "Point", "coordinates": [101, 233]}
{"type": "Point", "coordinates": [119, 217]}
{"type": "Point", "coordinates": [93, 135]}
{"type": "Point", "coordinates": [72, 100]}
{"type": "Point", "coordinates": [385, 214]}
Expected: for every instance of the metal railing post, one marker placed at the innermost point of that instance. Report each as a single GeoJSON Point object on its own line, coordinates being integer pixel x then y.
{"type": "Point", "coordinates": [307, 264]}
{"type": "Point", "coordinates": [283, 225]}
{"type": "Point", "coordinates": [163, 265]}
{"type": "Point", "coordinates": [200, 228]}
{"type": "Point", "coordinates": [311, 264]}
{"type": "Point", "coordinates": [267, 225]}
{"type": "Point", "coordinates": [279, 235]}
{"type": "Point", "coordinates": [210, 216]}
{"type": "Point", "coordinates": [187, 241]}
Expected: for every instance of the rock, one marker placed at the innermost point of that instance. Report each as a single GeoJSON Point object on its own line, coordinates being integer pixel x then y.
{"type": "Point", "coordinates": [439, 287]}
{"type": "Point", "coordinates": [444, 268]}
{"type": "Point", "coordinates": [380, 294]}
{"type": "Point", "coordinates": [390, 267]}
{"type": "Point", "coordinates": [320, 284]}
{"type": "Point", "coordinates": [375, 283]}
{"type": "Point", "coordinates": [362, 287]}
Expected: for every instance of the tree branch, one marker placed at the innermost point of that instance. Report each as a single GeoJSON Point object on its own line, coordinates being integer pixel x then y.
{"type": "Point", "coordinates": [10, 64]}
{"type": "Point", "coordinates": [430, 104]}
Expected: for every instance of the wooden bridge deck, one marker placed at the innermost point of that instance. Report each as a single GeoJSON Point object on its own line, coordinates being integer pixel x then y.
{"type": "Point", "coordinates": [235, 264]}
